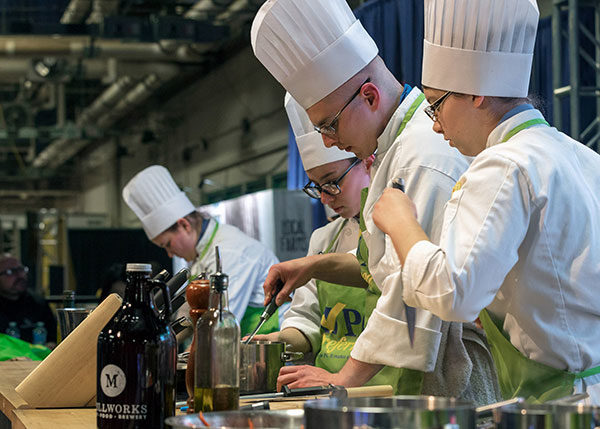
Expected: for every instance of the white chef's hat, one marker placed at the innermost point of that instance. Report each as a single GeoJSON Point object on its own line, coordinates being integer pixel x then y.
{"type": "Point", "coordinates": [479, 47]}
{"type": "Point", "coordinates": [313, 151]}
{"type": "Point", "coordinates": [156, 199]}
{"type": "Point", "coordinates": [311, 47]}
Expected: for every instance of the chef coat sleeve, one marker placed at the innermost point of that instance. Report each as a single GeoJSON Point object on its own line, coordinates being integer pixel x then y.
{"type": "Point", "coordinates": [385, 338]}
{"type": "Point", "coordinates": [484, 224]}
{"type": "Point", "coordinates": [305, 314]}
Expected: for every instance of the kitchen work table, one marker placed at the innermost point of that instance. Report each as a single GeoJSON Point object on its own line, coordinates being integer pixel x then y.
{"type": "Point", "coordinates": [15, 413]}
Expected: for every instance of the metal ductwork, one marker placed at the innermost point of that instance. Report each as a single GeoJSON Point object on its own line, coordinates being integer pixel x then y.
{"type": "Point", "coordinates": [140, 93]}
{"type": "Point", "coordinates": [206, 8]}
{"type": "Point", "coordinates": [86, 47]}
{"type": "Point", "coordinates": [76, 11]}
{"type": "Point", "coordinates": [115, 102]}
{"type": "Point", "coordinates": [102, 8]}
{"type": "Point", "coordinates": [239, 9]}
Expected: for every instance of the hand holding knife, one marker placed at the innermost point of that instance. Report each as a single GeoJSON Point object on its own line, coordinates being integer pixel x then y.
{"type": "Point", "coordinates": [410, 311]}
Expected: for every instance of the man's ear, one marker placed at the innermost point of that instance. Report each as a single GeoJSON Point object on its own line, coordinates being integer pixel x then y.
{"type": "Point", "coordinates": [370, 93]}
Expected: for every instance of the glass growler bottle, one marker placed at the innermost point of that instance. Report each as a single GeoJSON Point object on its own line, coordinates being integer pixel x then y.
{"type": "Point", "coordinates": [137, 358]}
{"type": "Point", "coordinates": [217, 385]}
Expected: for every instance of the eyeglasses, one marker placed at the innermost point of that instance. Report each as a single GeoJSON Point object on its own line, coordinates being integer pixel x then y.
{"type": "Point", "coordinates": [331, 128]}
{"type": "Point", "coordinates": [14, 271]}
{"type": "Point", "coordinates": [330, 188]}
{"type": "Point", "coordinates": [432, 109]}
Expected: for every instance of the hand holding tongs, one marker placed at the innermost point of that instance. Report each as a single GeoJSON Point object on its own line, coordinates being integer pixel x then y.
{"type": "Point", "coordinates": [410, 311]}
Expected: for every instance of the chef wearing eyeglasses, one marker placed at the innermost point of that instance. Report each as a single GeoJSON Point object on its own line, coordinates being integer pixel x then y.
{"type": "Point", "coordinates": [520, 244]}
{"type": "Point", "coordinates": [331, 67]}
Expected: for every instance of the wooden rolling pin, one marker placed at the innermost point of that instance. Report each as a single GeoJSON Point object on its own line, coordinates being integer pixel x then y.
{"type": "Point", "coordinates": [370, 391]}
{"type": "Point", "coordinates": [67, 377]}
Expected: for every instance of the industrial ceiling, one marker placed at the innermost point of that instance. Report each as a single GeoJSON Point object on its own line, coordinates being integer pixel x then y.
{"type": "Point", "coordinates": [74, 73]}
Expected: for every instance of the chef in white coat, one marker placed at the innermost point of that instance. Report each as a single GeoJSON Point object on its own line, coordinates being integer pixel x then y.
{"type": "Point", "coordinates": [520, 243]}
{"type": "Point", "coordinates": [323, 56]}
{"type": "Point", "coordinates": [171, 221]}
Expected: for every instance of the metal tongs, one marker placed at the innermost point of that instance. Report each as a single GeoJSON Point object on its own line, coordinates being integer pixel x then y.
{"type": "Point", "coordinates": [410, 311]}
{"type": "Point", "coordinates": [267, 313]}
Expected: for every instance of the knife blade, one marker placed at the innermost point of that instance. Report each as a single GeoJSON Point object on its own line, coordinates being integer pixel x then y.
{"type": "Point", "coordinates": [410, 311]}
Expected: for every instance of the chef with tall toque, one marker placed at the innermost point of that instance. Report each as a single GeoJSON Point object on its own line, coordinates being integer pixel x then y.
{"type": "Point", "coordinates": [520, 242]}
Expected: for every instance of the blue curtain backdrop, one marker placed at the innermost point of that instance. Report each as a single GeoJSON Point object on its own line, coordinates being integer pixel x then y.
{"type": "Point", "coordinates": [397, 28]}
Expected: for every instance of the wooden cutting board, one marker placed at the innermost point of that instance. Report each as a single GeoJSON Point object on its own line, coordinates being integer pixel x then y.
{"type": "Point", "coordinates": [67, 377]}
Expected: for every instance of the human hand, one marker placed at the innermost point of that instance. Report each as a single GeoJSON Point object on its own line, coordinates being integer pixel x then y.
{"type": "Point", "coordinates": [273, 336]}
{"type": "Point", "coordinates": [392, 208]}
{"type": "Point", "coordinates": [293, 274]}
{"type": "Point", "coordinates": [295, 376]}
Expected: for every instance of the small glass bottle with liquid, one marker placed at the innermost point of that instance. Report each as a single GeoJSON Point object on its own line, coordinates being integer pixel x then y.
{"type": "Point", "coordinates": [217, 385]}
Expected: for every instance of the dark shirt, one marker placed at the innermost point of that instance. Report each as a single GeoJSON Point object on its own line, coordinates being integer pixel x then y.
{"type": "Point", "coordinates": [26, 311]}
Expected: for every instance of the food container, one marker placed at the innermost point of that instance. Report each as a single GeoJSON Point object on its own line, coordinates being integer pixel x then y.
{"type": "Point", "coordinates": [525, 416]}
{"type": "Point", "coordinates": [397, 412]}
{"type": "Point", "coordinates": [260, 362]}
{"type": "Point", "coordinates": [284, 419]}
{"type": "Point", "coordinates": [577, 416]}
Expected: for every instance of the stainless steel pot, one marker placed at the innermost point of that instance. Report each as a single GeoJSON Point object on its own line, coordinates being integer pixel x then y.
{"type": "Point", "coordinates": [284, 419]}
{"type": "Point", "coordinates": [547, 416]}
{"type": "Point", "coordinates": [525, 416]}
{"type": "Point", "coordinates": [260, 362]}
{"type": "Point", "coordinates": [577, 416]}
{"type": "Point", "coordinates": [397, 412]}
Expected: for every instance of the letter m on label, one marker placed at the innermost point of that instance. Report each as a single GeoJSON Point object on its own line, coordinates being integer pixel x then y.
{"type": "Point", "coordinates": [111, 381]}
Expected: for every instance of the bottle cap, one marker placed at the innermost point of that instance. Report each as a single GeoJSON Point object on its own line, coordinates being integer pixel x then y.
{"type": "Point", "coordinates": [140, 268]}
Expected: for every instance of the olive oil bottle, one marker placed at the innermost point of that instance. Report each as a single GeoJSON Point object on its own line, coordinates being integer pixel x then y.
{"type": "Point", "coordinates": [217, 385]}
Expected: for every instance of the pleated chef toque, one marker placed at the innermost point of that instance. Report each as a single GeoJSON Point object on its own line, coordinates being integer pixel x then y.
{"type": "Point", "coordinates": [311, 47]}
{"type": "Point", "coordinates": [156, 199]}
{"type": "Point", "coordinates": [479, 47]}
{"type": "Point", "coordinates": [310, 143]}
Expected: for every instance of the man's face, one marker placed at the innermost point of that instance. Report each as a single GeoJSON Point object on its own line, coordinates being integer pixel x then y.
{"type": "Point", "coordinates": [347, 202]}
{"type": "Point", "coordinates": [12, 285]}
{"type": "Point", "coordinates": [353, 127]}
{"type": "Point", "coordinates": [180, 242]}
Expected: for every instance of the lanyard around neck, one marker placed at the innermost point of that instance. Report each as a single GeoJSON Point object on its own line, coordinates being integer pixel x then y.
{"type": "Point", "coordinates": [210, 240]}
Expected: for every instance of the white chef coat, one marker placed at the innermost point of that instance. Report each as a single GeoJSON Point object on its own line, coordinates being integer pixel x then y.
{"type": "Point", "coordinates": [430, 168]}
{"type": "Point", "coordinates": [521, 237]}
{"type": "Point", "coordinates": [245, 260]}
{"type": "Point", "coordinates": [305, 313]}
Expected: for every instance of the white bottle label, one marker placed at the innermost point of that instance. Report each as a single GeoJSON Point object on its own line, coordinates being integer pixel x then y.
{"type": "Point", "coordinates": [112, 380]}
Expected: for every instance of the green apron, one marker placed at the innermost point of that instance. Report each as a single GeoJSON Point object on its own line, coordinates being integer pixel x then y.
{"type": "Point", "coordinates": [343, 320]}
{"type": "Point", "coordinates": [517, 374]}
{"type": "Point", "coordinates": [406, 381]}
{"type": "Point", "coordinates": [252, 314]}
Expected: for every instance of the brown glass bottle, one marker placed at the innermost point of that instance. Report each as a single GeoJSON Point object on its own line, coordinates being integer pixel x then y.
{"type": "Point", "coordinates": [137, 356]}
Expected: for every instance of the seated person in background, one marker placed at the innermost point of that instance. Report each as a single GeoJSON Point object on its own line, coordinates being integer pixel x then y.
{"type": "Point", "coordinates": [326, 318]}
{"type": "Point", "coordinates": [171, 221]}
{"type": "Point", "coordinates": [20, 305]}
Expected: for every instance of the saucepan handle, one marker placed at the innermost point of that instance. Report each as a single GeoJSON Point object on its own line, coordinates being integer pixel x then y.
{"type": "Point", "coordinates": [291, 356]}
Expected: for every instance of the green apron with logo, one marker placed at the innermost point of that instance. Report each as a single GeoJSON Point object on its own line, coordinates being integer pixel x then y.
{"type": "Point", "coordinates": [252, 314]}
{"type": "Point", "coordinates": [517, 374]}
{"type": "Point", "coordinates": [406, 381]}
{"type": "Point", "coordinates": [342, 308]}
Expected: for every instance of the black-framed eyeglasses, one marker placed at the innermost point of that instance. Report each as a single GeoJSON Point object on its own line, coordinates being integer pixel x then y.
{"type": "Point", "coordinates": [330, 188]}
{"type": "Point", "coordinates": [432, 109]}
{"type": "Point", "coordinates": [14, 271]}
{"type": "Point", "coordinates": [331, 128]}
